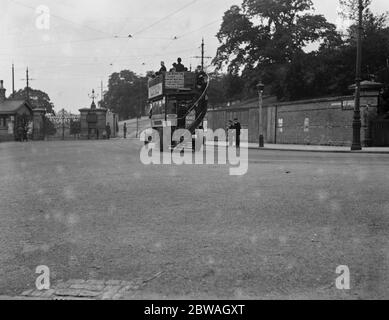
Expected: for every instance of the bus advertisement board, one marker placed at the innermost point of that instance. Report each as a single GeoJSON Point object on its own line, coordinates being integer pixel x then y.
{"type": "Point", "coordinates": [156, 90]}
{"type": "Point", "coordinates": [175, 80]}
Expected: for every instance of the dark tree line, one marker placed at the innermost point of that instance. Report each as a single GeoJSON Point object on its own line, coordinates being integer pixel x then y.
{"type": "Point", "coordinates": [127, 94]}
{"type": "Point", "coordinates": [38, 99]}
{"type": "Point", "coordinates": [297, 54]}
{"type": "Point", "coordinates": [268, 39]}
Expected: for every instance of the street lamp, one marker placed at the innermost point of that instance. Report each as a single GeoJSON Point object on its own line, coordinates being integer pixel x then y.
{"type": "Point", "coordinates": [139, 109]}
{"type": "Point", "coordinates": [356, 145]}
{"type": "Point", "coordinates": [260, 87]}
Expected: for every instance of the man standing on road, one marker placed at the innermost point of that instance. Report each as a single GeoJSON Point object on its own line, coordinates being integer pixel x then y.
{"type": "Point", "coordinates": [20, 133]}
{"type": "Point", "coordinates": [238, 128]}
{"type": "Point", "coordinates": [125, 130]}
{"type": "Point", "coordinates": [108, 130]}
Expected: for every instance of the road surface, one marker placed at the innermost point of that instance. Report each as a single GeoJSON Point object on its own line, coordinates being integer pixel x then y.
{"type": "Point", "coordinates": [92, 210]}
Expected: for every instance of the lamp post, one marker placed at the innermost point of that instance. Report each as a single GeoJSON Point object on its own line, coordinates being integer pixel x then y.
{"type": "Point", "coordinates": [260, 87]}
{"type": "Point", "coordinates": [138, 109]}
{"type": "Point", "coordinates": [356, 145]}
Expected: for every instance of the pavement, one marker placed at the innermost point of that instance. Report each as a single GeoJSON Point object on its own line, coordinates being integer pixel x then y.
{"type": "Point", "coordinates": [133, 125]}
{"type": "Point", "coordinates": [144, 123]}
{"type": "Point", "coordinates": [309, 148]}
{"type": "Point", "coordinates": [97, 217]}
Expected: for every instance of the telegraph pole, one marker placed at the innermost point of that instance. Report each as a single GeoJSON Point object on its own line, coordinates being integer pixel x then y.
{"type": "Point", "coordinates": [356, 145]}
{"type": "Point", "coordinates": [28, 85]}
{"type": "Point", "coordinates": [101, 103]}
{"type": "Point", "coordinates": [203, 57]}
{"type": "Point", "coordinates": [28, 79]}
{"type": "Point", "coordinates": [13, 80]}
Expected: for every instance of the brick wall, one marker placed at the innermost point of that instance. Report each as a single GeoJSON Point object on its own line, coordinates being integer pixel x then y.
{"type": "Point", "coordinates": [315, 122]}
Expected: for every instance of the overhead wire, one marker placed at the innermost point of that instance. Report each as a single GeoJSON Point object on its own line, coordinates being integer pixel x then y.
{"type": "Point", "coordinates": [153, 25]}
{"type": "Point", "coordinates": [113, 37]}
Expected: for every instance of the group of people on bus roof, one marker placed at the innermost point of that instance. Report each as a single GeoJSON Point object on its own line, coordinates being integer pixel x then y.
{"type": "Point", "coordinates": [177, 67]}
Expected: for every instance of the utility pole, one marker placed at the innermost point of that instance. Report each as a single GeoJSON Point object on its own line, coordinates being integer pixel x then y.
{"type": "Point", "coordinates": [202, 57]}
{"type": "Point", "coordinates": [356, 145]}
{"type": "Point", "coordinates": [101, 103]}
{"type": "Point", "coordinates": [28, 85]}
{"type": "Point", "coordinates": [28, 79]}
{"type": "Point", "coordinates": [13, 80]}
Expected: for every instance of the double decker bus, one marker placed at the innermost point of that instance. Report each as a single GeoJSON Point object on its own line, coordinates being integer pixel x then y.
{"type": "Point", "coordinates": [178, 100]}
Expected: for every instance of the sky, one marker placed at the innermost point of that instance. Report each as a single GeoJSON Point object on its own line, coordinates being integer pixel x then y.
{"type": "Point", "coordinates": [85, 41]}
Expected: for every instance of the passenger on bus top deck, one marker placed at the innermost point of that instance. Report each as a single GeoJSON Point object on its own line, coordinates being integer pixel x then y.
{"type": "Point", "coordinates": [199, 72]}
{"type": "Point", "coordinates": [200, 78]}
{"type": "Point", "coordinates": [180, 67]}
{"type": "Point", "coordinates": [174, 69]}
{"type": "Point", "coordinates": [163, 68]}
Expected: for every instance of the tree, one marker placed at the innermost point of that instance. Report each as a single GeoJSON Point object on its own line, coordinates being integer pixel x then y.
{"type": "Point", "coordinates": [49, 127]}
{"type": "Point", "coordinates": [267, 40]}
{"type": "Point", "coordinates": [75, 127]}
{"type": "Point", "coordinates": [261, 38]}
{"type": "Point", "coordinates": [225, 87]}
{"type": "Point", "coordinates": [127, 94]}
{"type": "Point", "coordinates": [350, 8]}
{"type": "Point", "coordinates": [38, 99]}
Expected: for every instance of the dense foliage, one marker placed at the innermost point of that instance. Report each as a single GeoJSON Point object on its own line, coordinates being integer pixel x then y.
{"type": "Point", "coordinates": [296, 53]}
{"type": "Point", "coordinates": [126, 95]}
{"type": "Point", "coordinates": [38, 99]}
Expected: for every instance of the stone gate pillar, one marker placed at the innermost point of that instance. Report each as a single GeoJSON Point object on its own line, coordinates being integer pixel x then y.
{"type": "Point", "coordinates": [38, 124]}
{"type": "Point", "coordinates": [370, 100]}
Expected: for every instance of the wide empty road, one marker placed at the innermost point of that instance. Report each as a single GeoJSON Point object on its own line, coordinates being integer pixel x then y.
{"type": "Point", "coordinates": [92, 210]}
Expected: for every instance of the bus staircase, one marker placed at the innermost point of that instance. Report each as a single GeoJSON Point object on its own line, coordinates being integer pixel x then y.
{"type": "Point", "coordinates": [200, 106]}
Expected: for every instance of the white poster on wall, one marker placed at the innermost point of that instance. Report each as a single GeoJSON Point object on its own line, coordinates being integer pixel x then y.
{"type": "Point", "coordinates": [306, 125]}
{"type": "Point", "coordinates": [10, 127]}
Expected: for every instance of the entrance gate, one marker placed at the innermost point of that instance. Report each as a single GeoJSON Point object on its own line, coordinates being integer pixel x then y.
{"type": "Point", "coordinates": [62, 126]}
{"type": "Point", "coordinates": [380, 133]}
